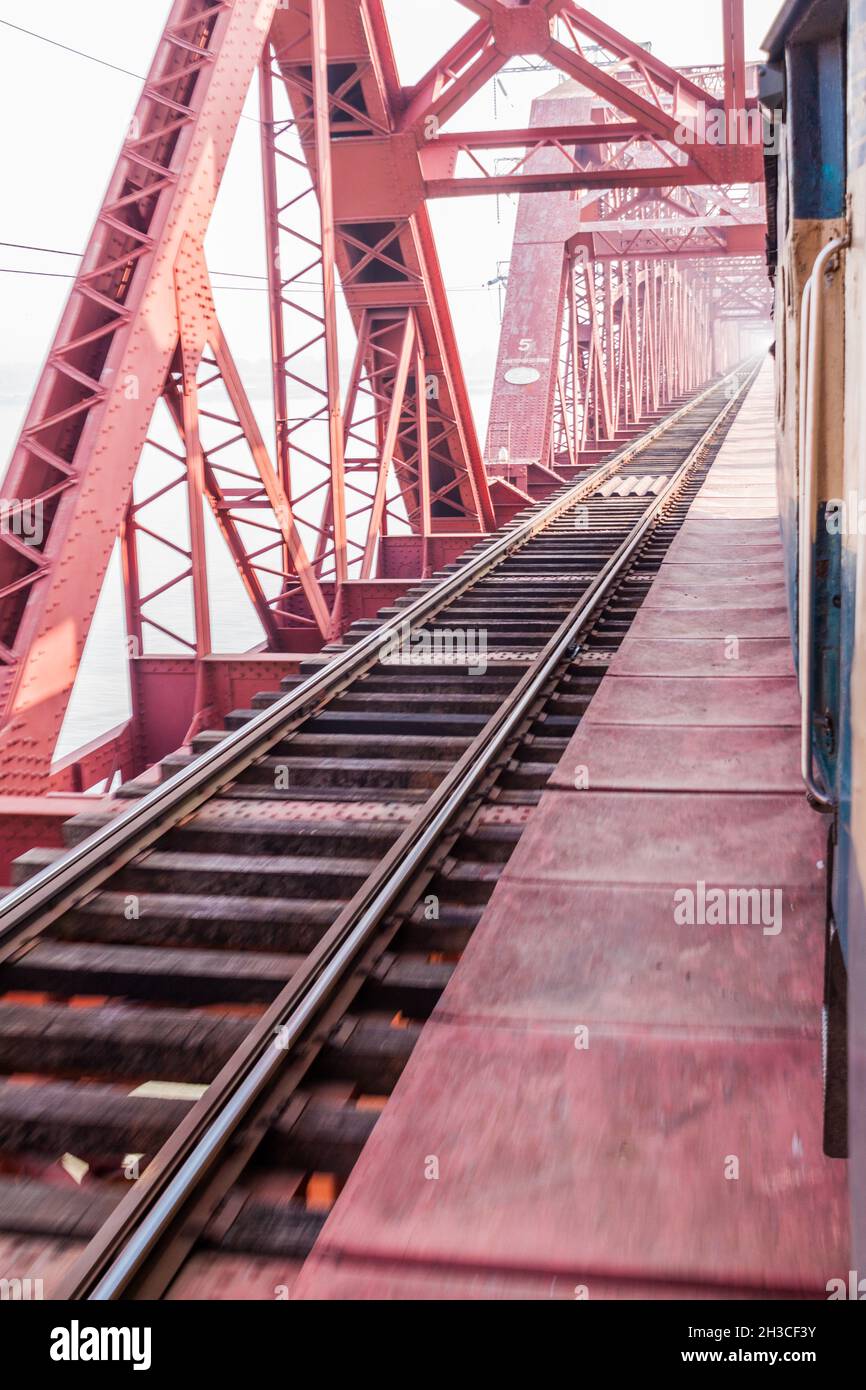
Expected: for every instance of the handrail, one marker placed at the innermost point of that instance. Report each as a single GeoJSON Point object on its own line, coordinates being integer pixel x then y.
{"type": "Point", "coordinates": [810, 365]}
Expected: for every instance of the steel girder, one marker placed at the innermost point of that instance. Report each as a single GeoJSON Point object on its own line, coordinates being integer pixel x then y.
{"type": "Point", "coordinates": [616, 302]}
{"type": "Point", "coordinates": [349, 159]}
{"type": "Point", "coordinates": [653, 112]}
{"type": "Point", "coordinates": [136, 294]}
{"type": "Point", "coordinates": [383, 250]}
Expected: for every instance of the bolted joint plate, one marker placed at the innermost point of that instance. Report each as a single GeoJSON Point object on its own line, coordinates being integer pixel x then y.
{"type": "Point", "coordinates": [386, 182]}
{"type": "Point", "coordinates": [522, 31]}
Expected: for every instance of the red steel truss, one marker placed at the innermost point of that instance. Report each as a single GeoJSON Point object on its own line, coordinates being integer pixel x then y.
{"type": "Point", "coordinates": [617, 302]}
{"type": "Point", "coordinates": [626, 276]}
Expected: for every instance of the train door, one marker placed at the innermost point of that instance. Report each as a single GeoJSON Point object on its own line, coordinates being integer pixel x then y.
{"type": "Point", "coordinates": [813, 66]}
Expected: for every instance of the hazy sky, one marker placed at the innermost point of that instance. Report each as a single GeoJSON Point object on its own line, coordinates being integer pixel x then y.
{"type": "Point", "coordinates": [62, 119]}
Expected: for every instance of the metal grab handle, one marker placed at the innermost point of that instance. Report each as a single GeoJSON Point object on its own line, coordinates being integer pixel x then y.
{"type": "Point", "coordinates": [811, 318]}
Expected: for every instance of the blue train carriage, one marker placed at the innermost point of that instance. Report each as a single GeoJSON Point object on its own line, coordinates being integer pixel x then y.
{"type": "Point", "coordinates": [813, 90]}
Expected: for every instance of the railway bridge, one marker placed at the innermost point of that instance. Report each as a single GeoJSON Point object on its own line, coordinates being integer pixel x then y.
{"type": "Point", "coordinates": [462, 933]}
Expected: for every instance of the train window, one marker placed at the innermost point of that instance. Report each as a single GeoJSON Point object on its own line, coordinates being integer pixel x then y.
{"type": "Point", "coordinates": [816, 127]}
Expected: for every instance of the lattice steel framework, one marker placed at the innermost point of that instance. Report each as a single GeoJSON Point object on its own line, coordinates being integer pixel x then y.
{"type": "Point", "coordinates": [387, 480]}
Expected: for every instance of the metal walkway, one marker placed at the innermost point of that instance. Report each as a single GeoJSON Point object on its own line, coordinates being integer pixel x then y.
{"type": "Point", "coordinates": [609, 1102]}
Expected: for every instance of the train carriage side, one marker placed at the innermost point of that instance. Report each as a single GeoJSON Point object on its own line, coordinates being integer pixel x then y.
{"type": "Point", "coordinates": [814, 92]}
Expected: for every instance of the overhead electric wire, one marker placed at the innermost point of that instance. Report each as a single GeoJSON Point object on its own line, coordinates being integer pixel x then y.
{"type": "Point", "coordinates": [230, 274]}
{"type": "Point", "coordinates": [91, 57]}
{"type": "Point", "coordinates": [49, 250]}
{"type": "Point", "coordinates": [42, 274]}
{"type": "Point", "coordinates": [248, 289]}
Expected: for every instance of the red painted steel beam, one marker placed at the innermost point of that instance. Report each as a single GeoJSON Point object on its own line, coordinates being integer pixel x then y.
{"type": "Point", "coordinates": [384, 249]}
{"type": "Point", "coordinates": [109, 361]}
{"type": "Point", "coordinates": [665, 78]}
{"type": "Point", "coordinates": [735, 55]}
{"type": "Point", "coordinates": [675, 241]}
{"type": "Point", "coordinates": [461, 72]}
{"type": "Point", "coordinates": [669, 176]}
{"type": "Point", "coordinates": [653, 119]}
{"type": "Point", "coordinates": [590, 133]}
{"type": "Point", "coordinates": [26, 821]}
{"type": "Point", "coordinates": [325, 194]}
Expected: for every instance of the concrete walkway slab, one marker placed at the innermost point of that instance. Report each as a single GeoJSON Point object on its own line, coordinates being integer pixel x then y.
{"type": "Point", "coordinates": [620, 1088]}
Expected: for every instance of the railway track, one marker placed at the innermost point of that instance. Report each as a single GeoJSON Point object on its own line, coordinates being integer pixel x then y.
{"type": "Point", "coordinates": [208, 997]}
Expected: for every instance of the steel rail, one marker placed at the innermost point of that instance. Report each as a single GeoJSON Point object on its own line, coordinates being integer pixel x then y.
{"type": "Point", "coordinates": [65, 883]}
{"type": "Point", "coordinates": [120, 1251]}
